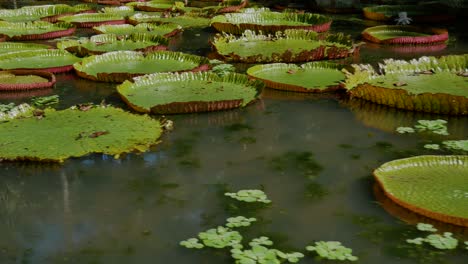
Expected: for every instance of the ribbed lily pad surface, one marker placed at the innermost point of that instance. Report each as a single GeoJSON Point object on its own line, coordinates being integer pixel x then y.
{"type": "Point", "coordinates": [404, 35]}
{"type": "Point", "coordinates": [110, 42]}
{"type": "Point", "coordinates": [10, 78]}
{"type": "Point", "coordinates": [185, 21]}
{"type": "Point", "coordinates": [269, 22]}
{"type": "Point", "coordinates": [35, 30]}
{"type": "Point", "coordinates": [309, 77]}
{"type": "Point", "coordinates": [96, 19]}
{"type": "Point", "coordinates": [74, 133]}
{"type": "Point", "coordinates": [435, 186]}
{"type": "Point", "coordinates": [427, 84]}
{"type": "Point", "coordinates": [6, 47]}
{"type": "Point", "coordinates": [188, 92]}
{"type": "Point", "coordinates": [123, 65]}
{"type": "Point", "coordinates": [120, 10]}
{"type": "Point", "coordinates": [51, 60]}
{"type": "Point", "coordinates": [19, 80]}
{"type": "Point", "coordinates": [290, 46]}
{"type": "Point", "coordinates": [166, 29]}
{"type": "Point", "coordinates": [153, 6]}
{"type": "Point", "coordinates": [32, 13]}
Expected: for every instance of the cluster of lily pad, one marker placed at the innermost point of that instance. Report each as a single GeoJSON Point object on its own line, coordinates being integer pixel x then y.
{"type": "Point", "coordinates": [259, 249]}
{"type": "Point", "coordinates": [444, 241]}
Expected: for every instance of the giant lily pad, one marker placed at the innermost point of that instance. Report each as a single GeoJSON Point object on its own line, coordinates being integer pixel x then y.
{"type": "Point", "coordinates": [269, 22]}
{"type": "Point", "coordinates": [100, 44]}
{"type": "Point", "coordinates": [59, 135]}
{"type": "Point", "coordinates": [94, 20]}
{"type": "Point", "coordinates": [153, 6]}
{"type": "Point", "coordinates": [169, 93]}
{"type": "Point", "coordinates": [161, 29]}
{"type": "Point", "coordinates": [434, 186]}
{"type": "Point", "coordinates": [405, 35]}
{"type": "Point", "coordinates": [15, 80]}
{"type": "Point", "coordinates": [310, 77]}
{"type": "Point", "coordinates": [426, 84]}
{"type": "Point", "coordinates": [120, 10]}
{"type": "Point", "coordinates": [48, 13]}
{"type": "Point", "coordinates": [124, 65]}
{"type": "Point", "coordinates": [290, 46]}
{"type": "Point", "coordinates": [6, 47]}
{"type": "Point", "coordinates": [185, 21]}
{"type": "Point", "coordinates": [53, 60]}
{"type": "Point", "coordinates": [418, 13]}
{"type": "Point", "coordinates": [35, 30]}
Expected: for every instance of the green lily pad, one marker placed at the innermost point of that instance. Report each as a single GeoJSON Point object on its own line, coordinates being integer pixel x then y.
{"type": "Point", "coordinates": [309, 77]}
{"type": "Point", "coordinates": [427, 84]}
{"type": "Point", "coordinates": [49, 13]}
{"type": "Point", "coordinates": [290, 46]}
{"type": "Point", "coordinates": [185, 21]}
{"type": "Point", "coordinates": [120, 10]}
{"type": "Point", "coordinates": [51, 60]}
{"type": "Point", "coordinates": [6, 47]}
{"type": "Point", "coordinates": [391, 34]}
{"type": "Point", "coordinates": [189, 92]}
{"type": "Point", "coordinates": [100, 44]}
{"type": "Point", "coordinates": [269, 22]}
{"type": "Point", "coordinates": [124, 65]}
{"type": "Point", "coordinates": [10, 78]}
{"type": "Point", "coordinates": [153, 6]}
{"type": "Point", "coordinates": [59, 135]}
{"type": "Point", "coordinates": [35, 30]}
{"type": "Point", "coordinates": [17, 80]}
{"type": "Point", "coordinates": [434, 186]}
{"type": "Point", "coordinates": [160, 29]}
{"type": "Point", "coordinates": [94, 20]}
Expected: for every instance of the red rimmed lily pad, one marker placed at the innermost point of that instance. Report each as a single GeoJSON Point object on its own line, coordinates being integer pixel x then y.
{"type": "Point", "coordinates": [417, 13]}
{"type": "Point", "coordinates": [94, 20]}
{"type": "Point", "coordinates": [15, 80]}
{"type": "Point", "coordinates": [290, 46]}
{"type": "Point", "coordinates": [35, 30]}
{"type": "Point", "coordinates": [172, 93]}
{"type": "Point", "coordinates": [405, 35]}
{"type": "Point", "coordinates": [100, 44]}
{"type": "Point", "coordinates": [270, 22]}
{"type": "Point", "coordinates": [51, 60]}
{"type": "Point", "coordinates": [49, 13]}
{"type": "Point", "coordinates": [124, 65]}
{"type": "Point", "coordinates": [312, 77]}
{"type": "Point", "coordinates": [166, 30]}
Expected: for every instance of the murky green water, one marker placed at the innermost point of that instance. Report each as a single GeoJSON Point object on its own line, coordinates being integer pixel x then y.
{"type": "Point", "coordinates": [313, 155]}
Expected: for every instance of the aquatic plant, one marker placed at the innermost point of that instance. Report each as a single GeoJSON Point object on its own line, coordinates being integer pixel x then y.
{"type": "Point", "coordinates": [292, 45]}
{"type": "Point", "coordinates": [456, 144]}
{"type": "Point", "coordinates": [432, 146]}
{"type": "Point", "coordinates": [427, 84]}
{"type": "Point", "coordinates": [10, 111]}
{"type": "Point", "coordinates": [189, 92]}
{"type": "Point", "coordinates": [100, 44]}
{"type": "Point", "coordinates": [466, 244]}
{"type": "Point", "coordinates": [35, 30]}
{"type": "Point", "coordinates": [239, 221]}
{"type": "Point", "coordinates": [119, 66]}
{"type": "Point", "coordinates": [192, 243]}
{"type": "Point", "coordinates": [45, 100]}
{"type": "Point", "coordinates": [53, 60]}
{"type": "Point", "coordinates": [220, 237]}
{"type": "Point", "coordinates": [161, 29]}
{"type": "Point", "coordinates": [6, 47]}
{"type": "Point", "coordinates": [438, 126]}
{"type": "Point", "coordinates": [75, 133]}
{"type": "Point", "coordinates": [418, 13]}
{"type": "Point", "coordinates": [426, 227]}
{"type": "Point", "coordinates": [443, 242]}
{"type": "Point", "coordinates": [441, 186]}
{"type": "Point", "coordinates": [405, 35]}
{"type": "Point", "coordinates": [185, 21]}
{"type": "Point", "coordinates": [49, 13]}
{"type": "Point", "coordinates": [261, 241]}
{"type": "Point", "coordinates": [403, 130]}
{"type": "Point", "coordinates": [332, 250]}
{"type": "Point", "coordinates": [269, 22]}
{"type": "Point", "coordinates": [94, 19]}
{"type": "Point", "coordinates": [261, 254]}
{"type": "Point", "coordinates": [309, 77]}
{"type": "Point", "coordinates": [221, 68]}
{"type": "Point", "coordinates": [249, 196]}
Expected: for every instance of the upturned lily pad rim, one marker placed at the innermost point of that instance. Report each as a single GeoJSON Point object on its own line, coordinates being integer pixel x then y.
{"type": "Point", "coordinates": [46, 52]}
{"type": "Point", "coordinates": [435, 35]}
{"type": "Point", "coordinates": [60, 29]}
{"type": "Point", "coordinates": [192, 106]}
{"type": "Point", "coordinates": [29, 86]}
{"type": "Point", "coordinates": [155, 43]}
{"type": "Point", "coordinates": [222, 24]}
{"type": "Point", "coordinates": [119, 77]}
{"type": "Point", "coordinates": [94, 19]}
{"type": "Point", "coordinates": [332, 46]}
{"type": "Point", "coordinates": [292, 87]}
{"type": "Point", "coordinates": [19, 46]}
{"type": "Point", "coordinates": [50, 13]}
{"type": "Point", "coordinates": [458, 160]}
{"type": "Point", "coordinates": [176, 28]}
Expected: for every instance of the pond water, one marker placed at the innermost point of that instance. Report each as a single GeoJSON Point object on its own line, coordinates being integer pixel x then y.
{"type": "Point", "coordinates": [312, 154]}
